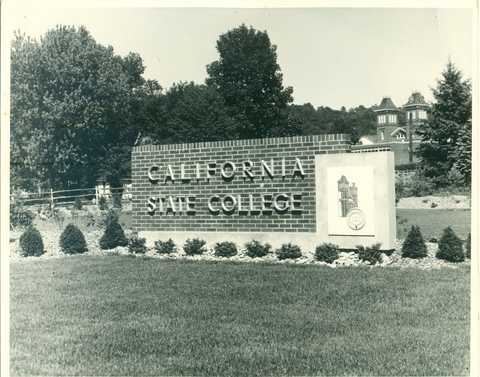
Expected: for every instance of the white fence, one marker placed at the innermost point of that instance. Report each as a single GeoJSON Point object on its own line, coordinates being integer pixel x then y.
{"type": "Point", "coordinates": [69, 196]}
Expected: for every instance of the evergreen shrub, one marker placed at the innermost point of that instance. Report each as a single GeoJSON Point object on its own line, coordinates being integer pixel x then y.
{"type": "Point", "coordinates": [255, 249]}
{"type": "Point", "coordinates": [102, 203]}
{"type": "Point", "coordinates": [288, 251]}
{"type": "Point", "coordinates": [468, 246]}
{"type": "Point", "coordinates": [77, 204]}
{"type": "Point", "coordinates": [117, 200]}
{"type": "Point", "coordinates": [450, 247]}
{"type": "Point", "coordinates": [110, 216]}
{"type": "Point", "coordinates": [114, 236]}
{"type": "Point", "coordinates": [20, 217]}
{"type": "Point", "coordinates": [195, 246]}
{"type": "Point", "coordinates": [225, 249]}
{"type": "Point", "coordinates": [165, 247]}
{"type": "Point", "coordinates": [327, 252]}
{"type": "Point", "coordinates": [414, 246]}
{"type": "Point", "coordinates": [370, 254]}
{"type": "Point", "coordinates": [137, 245]}
{"type": "Point", "coordinates": [72, 240]}
{"type": "Point", "coordinates": [31, 242]}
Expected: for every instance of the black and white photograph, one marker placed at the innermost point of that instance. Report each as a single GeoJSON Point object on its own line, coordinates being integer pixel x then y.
{"type": "Point", "coordinates": [239, 188]}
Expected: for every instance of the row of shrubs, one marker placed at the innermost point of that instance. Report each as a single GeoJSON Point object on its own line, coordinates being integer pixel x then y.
{"type": "Point", "coordinates": [450, 247]}
{"type": "Point", "coordinates": [72, 241]}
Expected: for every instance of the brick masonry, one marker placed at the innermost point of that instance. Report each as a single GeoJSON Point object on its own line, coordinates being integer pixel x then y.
{"type": "Point", "coordinates": [176, 161]}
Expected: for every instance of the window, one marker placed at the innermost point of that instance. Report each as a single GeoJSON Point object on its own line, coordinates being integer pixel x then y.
{"type": "Point", "coordinates": [392, 119]}
{"type": "Point", "coordinates": [422, 114]}
{"type": "Point", "coordinates": [382, 119]}
{"type": "Point", "coordinates": [382, 134]}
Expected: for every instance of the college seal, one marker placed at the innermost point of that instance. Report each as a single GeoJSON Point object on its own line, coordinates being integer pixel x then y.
{"type": "Point", "coordinates": [356, 219]}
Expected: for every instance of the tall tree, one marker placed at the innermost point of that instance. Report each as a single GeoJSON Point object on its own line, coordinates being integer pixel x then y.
{"type": "Point", "coordinates": [194, 113]}
{"type": "Point", "coordinates": [249, 80]}
{"type": "Point", "coordinates": [447, 133]}
{"type": "Point", "coordinates": [70, 107]}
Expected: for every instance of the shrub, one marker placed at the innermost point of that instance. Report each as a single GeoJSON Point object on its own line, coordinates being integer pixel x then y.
{"type": "Point", "coordinates": [419, 185]}
{"type": "Point", "coordinates": [194, 247]}
{"type": "Point", "coordinates": [370, 254]}
{"type": "Point", "coordinates": [450, 247]}
{"type": "Point", "coordinates": [102, 203]}
{"type": "Point", "coordinates": [165, 247]}
{"type": "Point", "coordinates": [288, 251]}
{"type": "Point", "coordinates": [225, 249]}
{"type": "Point", "coordinates": [414, 245]}
{"type": "Point", "coordinates": [327, 252]}
{"type": "Point", "coordinates": [256, 250]}
{"type": "Point", "coordinates": [117, 200]}
{"type": "Point", "coordinates": [77, 204]}
{"type": "Point", "coordinates": [114, 236]}
{"type": "Point", "coordinates": [137, 245]}
{"type": "Point", "coordinates": [468, 246]}
{"type": "Point", "coordinates": [433, 240]}
{"type": "Point", "coordinates": [110, 216]}
{"type": "Point", "coordinates": [31, 242]}
{"type": "Point", "coordinates": [72, 240]}
{"type": "Point", "coordinates": [20, 217]}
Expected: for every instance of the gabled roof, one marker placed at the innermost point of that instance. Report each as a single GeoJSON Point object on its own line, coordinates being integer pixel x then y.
{"type": "Point", "coordinates": [416, 99]}
{"type": "Point", "coordinates": [399, 129]}
{"type": "Point", "coordinates": [387, 104]}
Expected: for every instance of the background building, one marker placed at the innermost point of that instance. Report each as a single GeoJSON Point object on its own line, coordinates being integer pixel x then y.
{"type": "Point", "coordinates": [391, 136]}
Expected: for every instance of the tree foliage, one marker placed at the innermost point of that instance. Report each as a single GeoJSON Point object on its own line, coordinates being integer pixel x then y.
{"type": "Point", "coordinates": [249, 80]}
{"type": "Point", "coordinates": [357, 121]}
{"type": "Point", "coordinates": [71, 108]}
{"type": "Point", "coordinates": [194, 113]}
{"type": "Point", "coordinates": [446, 135]}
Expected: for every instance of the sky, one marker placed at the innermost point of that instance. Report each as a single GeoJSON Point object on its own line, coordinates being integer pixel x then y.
{"type": "Point", "coordinates": [330, 56]}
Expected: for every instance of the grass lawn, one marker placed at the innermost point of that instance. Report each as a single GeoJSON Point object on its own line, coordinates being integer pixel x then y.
{"type": "Point", "coordinates": [433, 221]}
{"type": "Point", "coordinates": [118, 315]}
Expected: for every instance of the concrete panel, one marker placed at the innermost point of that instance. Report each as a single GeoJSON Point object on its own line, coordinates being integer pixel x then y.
{"type": "Point", "coordinates": [356, 199]}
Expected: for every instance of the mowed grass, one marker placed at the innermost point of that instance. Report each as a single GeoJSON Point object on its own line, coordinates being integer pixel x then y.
{"type": "Point", "coordinates": [432, 222]}
{"type": "Point", "coordinates": [118, 315]}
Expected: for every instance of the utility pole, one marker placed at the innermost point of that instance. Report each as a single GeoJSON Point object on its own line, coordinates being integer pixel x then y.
{"type": "Point", "coordinates": [410, 141]}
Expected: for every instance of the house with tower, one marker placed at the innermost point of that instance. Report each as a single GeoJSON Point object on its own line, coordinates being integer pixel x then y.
{"type": "Point", "coordinates": [391, 134]}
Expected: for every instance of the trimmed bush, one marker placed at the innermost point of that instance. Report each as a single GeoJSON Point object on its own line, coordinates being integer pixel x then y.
{"type": "Point", "coordinates": [114, 236]}
{"type": "Point", "coordinates": [370, 254]}
{"type": "Point", "coordinates": [194, 247]}
{"type": "Point", "coordinates": [468, 246]}
{"type": "Point", "coordinates": [117, 200]}
{"type": "Point", "coordinates": [137, 245]}
{"type": "Point", "coordinates": [102, 203]}
{"type": "Point", "coordinates": [255, 249]}
{"type": "Point", "coordinates": [288, 251]}
{"type": "Point", "coordinates": [165, 247]}
{"type": "Point", "coordinates": [327, 252]}
{"type": "Point", "coordinates": [20, 217]}
{"type": "Point", "coordinates": [414, 246]}
{"type": "Point", "coordinates": [31, 242]}
{"type": "Point", "coordinates": [77, 204]}
{"type": "Point", "coordinates": [225, 249]}
{"type": "Point", "coordinates": [450, 247]}
{"type": "Point", "coordinates": [72, 240]}
{"type": "Point", "coordinates": [110, 216]}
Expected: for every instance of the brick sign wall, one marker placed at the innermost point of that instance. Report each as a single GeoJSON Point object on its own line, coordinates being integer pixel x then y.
{"type": "Point", "coordinates": [258, 185]}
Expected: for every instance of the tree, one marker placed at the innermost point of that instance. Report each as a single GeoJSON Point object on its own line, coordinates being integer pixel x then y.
{"type": "Point", "coordinates": [248, 78]}
{"type": "Point", "coordinates": [446, 135]}
{"type": "Point", "coordinates": [194, 113]}
{"type": "Point", "coordinates": [71, 104]}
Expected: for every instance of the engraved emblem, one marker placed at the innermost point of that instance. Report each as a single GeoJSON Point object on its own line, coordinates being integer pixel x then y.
{"type": "Point", "coordinates": [356, 219]}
